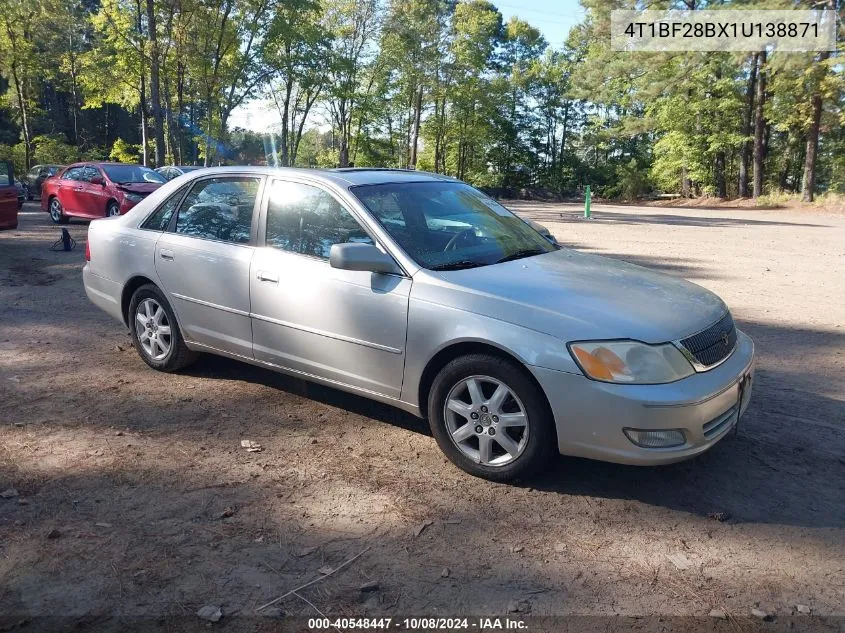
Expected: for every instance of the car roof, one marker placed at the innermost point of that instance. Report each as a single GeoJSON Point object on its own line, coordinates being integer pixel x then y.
{"type": "Point", "coordinates": [346, 177]}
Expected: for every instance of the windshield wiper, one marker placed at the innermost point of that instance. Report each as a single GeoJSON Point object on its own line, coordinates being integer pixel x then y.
{"type": "Point", "coordinates": [526, 252]}
{"type": "Point", "coordinates": [458, 265]}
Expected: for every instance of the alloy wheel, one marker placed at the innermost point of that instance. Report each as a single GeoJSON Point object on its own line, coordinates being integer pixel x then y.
{"type": "Point", "coordinates": [486, 420]}
{"type": "Point", "coordinates": [55, 210]}
{"type": "Point", "coordinates": [153, 329]}
{"type": "Point", "coordinates": [113, 210]}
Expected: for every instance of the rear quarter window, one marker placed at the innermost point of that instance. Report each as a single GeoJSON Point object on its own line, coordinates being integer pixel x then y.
{"type": "Point", "coordinates": [159, 219]}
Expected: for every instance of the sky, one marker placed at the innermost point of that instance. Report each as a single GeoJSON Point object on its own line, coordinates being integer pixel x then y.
{"type": "Point", "coordinates": [554, 18]}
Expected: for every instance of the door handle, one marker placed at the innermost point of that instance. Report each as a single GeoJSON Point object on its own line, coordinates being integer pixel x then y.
{"type": "Point", "coordinates": [265, 276]}
{"type": "Point", "coordinates": [166, 254]}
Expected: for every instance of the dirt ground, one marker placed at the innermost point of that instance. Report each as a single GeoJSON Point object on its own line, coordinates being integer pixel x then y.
{"type": "Point", "coordinates": [135, 498]}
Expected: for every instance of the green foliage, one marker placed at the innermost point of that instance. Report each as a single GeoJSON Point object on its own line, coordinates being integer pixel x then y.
{"type": "Point", "coordinates": [630, 182]}
{"type": "Point", "coordinates": [15, 154]}
{"type": "Point", "coordinates": [443, 85]}
{"type": "Point", "coordinates": [123, 152]}
{"type": "Point", "coordinates": [52, 149]}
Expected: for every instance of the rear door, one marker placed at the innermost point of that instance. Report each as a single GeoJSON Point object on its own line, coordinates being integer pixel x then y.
{"type": "Point", "coordinates": [203, 261]}
{"type": "Point", "coordinates": [8, 197]}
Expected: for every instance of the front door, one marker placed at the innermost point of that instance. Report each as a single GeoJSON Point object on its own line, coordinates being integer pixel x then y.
{"type": "Point", "coordinates": [203, 262]}
{"type": "Point", "coordinates": [69, 188]}
{"type": "Point", "coordinates": [343, 326]}
{"type": "Point", "coordinates": [91, 198]}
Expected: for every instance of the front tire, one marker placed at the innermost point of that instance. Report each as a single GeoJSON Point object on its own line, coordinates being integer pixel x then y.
{"type": "Point", "coordinates": [155, 332]}
{"type": "Point", "coordinates": [112, 209]}
{"type": "Point", "coordinates": [57, 214]}
{"type": "Point", "coordinates": [490, 418]}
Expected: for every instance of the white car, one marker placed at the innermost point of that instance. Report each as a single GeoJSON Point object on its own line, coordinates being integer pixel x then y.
{"type": "Point", "coordinates": [421, 292]}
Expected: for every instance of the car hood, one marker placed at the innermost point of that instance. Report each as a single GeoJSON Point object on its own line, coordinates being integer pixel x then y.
{"type": "Point", "coordinates": [143, 188]}
{"type": "Point", "coordinates": [576, 296]}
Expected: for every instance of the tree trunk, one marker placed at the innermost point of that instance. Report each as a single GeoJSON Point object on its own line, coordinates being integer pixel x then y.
{"type": "Point", "coordinates": [719, 157]}
{"type": "Point", "coordinates": [74, 89]}
{"type": "Point", "coordinates": [416, 136]}
{"type": "Point", "coordinates": [175, 155]}
{"type": "Point", "coordinates": [27, 140]}
{"type": "Point", "coordinates": [142, 87]}
{"type": "Point", "coordinates": [808, 182]}
{"type": "Point", "coordinates": [343, 151]}
{"type": "Point", "coordinates": [759, 127]}
{"type": "Point", "coordinates": [180, 105]}
{"type": "Point", "coordinates": [686, 185]}
{"type": "Point", "coordinates": [746, 128]}
{"type": "Point", "coordinates": [719, 174]}
{"type": "Point", "coordinates": [285, 121]}
{"type": "Point", "coordinates": [155, 83]}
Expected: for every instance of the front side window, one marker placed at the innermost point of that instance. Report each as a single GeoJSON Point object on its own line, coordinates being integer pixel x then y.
{"type": "Point", "coordinates": [450, 225]}
{"type": "Point", "coordinates": [123, 174]}
{"type": "Point", "coordinates": [219, 209]}
{"type": "Point", "coordinates": [5, 174]}
{"type": "Point", "coordinates": [307, 220]}
{"type": "Point", "coordinates": [89, 173]}
{"type": "Point", "coordinates": [74, 173]}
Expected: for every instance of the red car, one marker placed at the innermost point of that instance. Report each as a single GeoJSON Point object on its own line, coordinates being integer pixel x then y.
{"type": "Point", "coordinates": [96, 190]}
{"type": "Point", "coordinates": [8, 197]}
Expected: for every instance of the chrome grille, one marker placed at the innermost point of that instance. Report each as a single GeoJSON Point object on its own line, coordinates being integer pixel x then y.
{"type": "Point", "coordinates": [714, 344]}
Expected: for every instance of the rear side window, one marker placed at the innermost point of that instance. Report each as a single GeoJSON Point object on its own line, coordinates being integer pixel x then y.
{"type": "Point", "coordinates": [160, 218]}
{"type": "Point", "coordinates": [219, 209]}
{"type": "Point", "coordinates": [307, 220]}
{"type": "Point", "coordinates": [5, 174]}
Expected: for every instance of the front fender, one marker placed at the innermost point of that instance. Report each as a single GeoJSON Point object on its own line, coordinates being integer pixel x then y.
{"type": "Point", "coordinates": [432, 327]}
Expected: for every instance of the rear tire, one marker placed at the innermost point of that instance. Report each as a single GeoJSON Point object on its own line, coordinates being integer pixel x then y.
{"type": "Point", "coordinates": [57, 214]}
{"type": "Point", "coordinates": [155, 332]}
{"type": "Point", "coordinates": [490, 418]}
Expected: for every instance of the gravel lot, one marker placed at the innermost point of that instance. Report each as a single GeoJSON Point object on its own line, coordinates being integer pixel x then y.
{"type": "Point", "coordinates": [135, 497]}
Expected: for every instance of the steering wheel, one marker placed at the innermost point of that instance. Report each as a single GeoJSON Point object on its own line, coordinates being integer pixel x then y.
{"type": "Point", "coordinates": [452, 243]}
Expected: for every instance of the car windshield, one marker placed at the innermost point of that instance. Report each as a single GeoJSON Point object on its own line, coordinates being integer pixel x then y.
{"type": "Point", "coordinates": [123, 174]}
{"type": "Point", "coordinates": [450, 225]}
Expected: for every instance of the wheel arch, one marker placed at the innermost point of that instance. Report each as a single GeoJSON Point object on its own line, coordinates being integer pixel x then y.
{"type": "Point", "coordinates": [129, 289]}
{"type": "Point", "coordinates": [463, 348]}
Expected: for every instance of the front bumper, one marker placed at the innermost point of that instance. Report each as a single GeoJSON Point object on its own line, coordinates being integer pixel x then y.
{"type": "Point", "coordinates": [590, 415]}
{"type": "Point", "coordinates": [126, 205]}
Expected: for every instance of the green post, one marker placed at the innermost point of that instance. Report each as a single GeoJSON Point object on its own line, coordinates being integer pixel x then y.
{"type": "Point", "coordinates": [587, 203]}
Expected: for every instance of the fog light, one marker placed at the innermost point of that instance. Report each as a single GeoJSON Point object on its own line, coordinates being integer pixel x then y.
{"type": "Point", "coordinates": [656, 439]}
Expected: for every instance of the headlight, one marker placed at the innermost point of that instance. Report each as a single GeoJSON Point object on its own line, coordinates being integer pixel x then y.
{"type": "Point", "coordinates": [630, 362]}
{"type": "Point", "coordinates": [133, 197]}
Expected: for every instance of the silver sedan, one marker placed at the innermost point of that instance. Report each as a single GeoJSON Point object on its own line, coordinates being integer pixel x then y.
{"type": "Point", "coordinates": [421, 292]}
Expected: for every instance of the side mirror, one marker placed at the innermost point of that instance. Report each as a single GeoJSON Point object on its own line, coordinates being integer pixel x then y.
{"type": "Point", "coordinates": [362, 257]}
{"type": "Point", "coordinates": [98, 180]}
